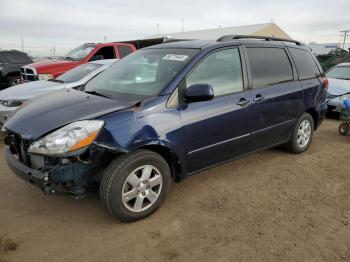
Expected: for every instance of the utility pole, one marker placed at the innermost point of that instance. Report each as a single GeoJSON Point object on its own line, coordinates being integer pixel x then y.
{"type": "Point", "coordinates": [183, 25]}
{"type": "Point", "coordinates": [105, 37]}
{"type": "Point", "coordinates": [53, 49]}
{"type": "Point", "coordinates": [157, 28]}
{"type": "Point", "coordinates": [344, 35]}
{"type": "Point", "coordinates": [22, 45]}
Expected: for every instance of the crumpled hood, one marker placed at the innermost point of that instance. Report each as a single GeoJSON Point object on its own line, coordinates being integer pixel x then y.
{"type": "Point", "coordinates": [338, 87]}
{"type": "Point", "coordinates": [49, 112]}
{"type": "Point", "coordinates": [39, 66]}
{"type": "Point", "coordinates": [29, 90]}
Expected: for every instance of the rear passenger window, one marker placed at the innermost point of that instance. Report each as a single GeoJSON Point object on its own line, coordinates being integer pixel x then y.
{"type": "Point", "coordinates": [124, 50]}
{"type": "Point", "coordinates": [222, 70]}
{"type": "Point", "coordinates": [269, 66]}
{"type": "Point", "coordinates": [305, 64]}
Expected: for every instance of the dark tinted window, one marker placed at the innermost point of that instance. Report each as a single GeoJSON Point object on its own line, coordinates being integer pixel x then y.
{"type": "Point", "coordinates": [15, 57]}
{"type": "Point", "coordinates": [306, 65]}
{"type": "Point", "coordinates": [124, 50]}
{"type": "Point", "coordinates": [269, 66]}
{"type": "Point", "coordinates": [222, 70]}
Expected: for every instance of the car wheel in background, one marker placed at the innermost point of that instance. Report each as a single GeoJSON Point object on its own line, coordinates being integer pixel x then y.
{"type": "Point", "coordinates": [302, 135]}
{"type": "Point", "coordinates": [343, 129]}
{"type": "Point", "coordinates": [134, 185]}
{"type": "Point", "coordinates": [13, 80]}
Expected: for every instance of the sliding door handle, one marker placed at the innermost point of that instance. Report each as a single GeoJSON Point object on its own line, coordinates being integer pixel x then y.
{"type": "Point", "coordinates": [258, 98]}
{"type": "Point", "coordinates": [243, 102]}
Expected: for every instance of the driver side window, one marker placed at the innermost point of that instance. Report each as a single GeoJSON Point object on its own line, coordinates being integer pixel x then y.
{"type": "Point", "coordinates": [222, 70]}
{"type": "Point", "coordinates": [106, 52]}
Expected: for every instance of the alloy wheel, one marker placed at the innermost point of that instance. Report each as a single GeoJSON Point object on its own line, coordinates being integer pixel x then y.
{"type": "Point", "coordinates": [142, 188]}
{"type": "Point", "coordinates": [304, 133]}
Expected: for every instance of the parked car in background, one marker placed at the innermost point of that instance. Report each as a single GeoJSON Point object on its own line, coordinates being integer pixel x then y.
{"type": "Point", "coordinates": [13, 97]}
{"type": "Point", "coordinates": [10, 64]}
{"type": "Point", "coordinates": [339, 87]}
{"type": "Point", "coordinates": [81, 55]}
{"type": "Point", "coordinates": [164, 113]}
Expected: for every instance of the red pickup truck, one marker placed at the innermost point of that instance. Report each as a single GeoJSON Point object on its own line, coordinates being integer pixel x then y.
{"type": "Point", "coordinates": [84, 54]}
{"type": "Point", "coordinates": [80, 55]}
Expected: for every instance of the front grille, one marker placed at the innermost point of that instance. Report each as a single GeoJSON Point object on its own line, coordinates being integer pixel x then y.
{"type": "Point", "coordinates": [28, 74]}
{"type": "Point", "coordinates": [19, 147]}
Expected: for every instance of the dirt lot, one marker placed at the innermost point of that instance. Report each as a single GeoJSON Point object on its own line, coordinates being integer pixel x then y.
{"type": "Point", "coordinates": [270, 206]}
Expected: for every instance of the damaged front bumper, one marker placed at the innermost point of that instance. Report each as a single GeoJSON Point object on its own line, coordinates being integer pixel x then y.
{"type": "Point", "coordinates": [30, 175]}
{"type": "Point", "coordinates": [72, 176]}
{"type": "Point", "coordinates": [64, 179]}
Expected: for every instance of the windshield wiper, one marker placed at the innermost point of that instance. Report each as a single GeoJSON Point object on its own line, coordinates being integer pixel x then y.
{"type": "Point", "coordinates": [68, 58]}
{"type": "Point", "coordinates": [96, 93]}
{"type": "Point", "coordinates": [56, 80]}
{"type": "Point", "coordinates": [343, 78]}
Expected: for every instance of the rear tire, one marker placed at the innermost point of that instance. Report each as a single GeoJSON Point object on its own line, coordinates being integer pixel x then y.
{"type": "Point", "coordinates": [343, 129]}
{"type": "Point", "coordinates": [302, 135]}
{"type": "Point", "coordinates": [134, 185]}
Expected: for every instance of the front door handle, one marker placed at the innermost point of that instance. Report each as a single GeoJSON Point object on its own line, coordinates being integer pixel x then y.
{"type": "Point", "coordinates": [243, 102]}
{"type": "Point", "coordinates": [258, 98]}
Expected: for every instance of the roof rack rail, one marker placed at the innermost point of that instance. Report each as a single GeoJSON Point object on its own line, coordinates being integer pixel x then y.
{"type": "Point", "coordinates": [267, 38]}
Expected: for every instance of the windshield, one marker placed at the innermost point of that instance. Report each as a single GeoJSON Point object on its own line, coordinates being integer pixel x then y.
{"type": "Point", "coordinates": [141, 74]}
{"type": "Point", "coordinates": [78, 73]}
{"type": "Point", "coordinates": [79, 53]}
{"type": "Point", "coordinates": [339, 72]}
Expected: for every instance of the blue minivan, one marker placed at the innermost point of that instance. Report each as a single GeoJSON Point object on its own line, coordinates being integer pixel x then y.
{"type": "Point", "coordinates": [164, 113]}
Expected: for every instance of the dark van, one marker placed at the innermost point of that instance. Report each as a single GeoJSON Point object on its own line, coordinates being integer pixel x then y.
{"type": "Point", "coordinates": [164, 113]}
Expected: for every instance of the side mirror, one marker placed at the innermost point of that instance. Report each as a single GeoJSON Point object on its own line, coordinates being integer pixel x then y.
{"type": "Point", "coordinates": [199, 92]}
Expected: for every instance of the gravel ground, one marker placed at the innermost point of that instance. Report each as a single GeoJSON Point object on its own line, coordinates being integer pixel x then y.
{"type": "Point", "coordinates": [270, 206]}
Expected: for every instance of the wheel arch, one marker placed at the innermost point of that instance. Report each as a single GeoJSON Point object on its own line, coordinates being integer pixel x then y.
{"type": "Point", "coordinates": [315, 116]}
{"type": "Point", "coordinates": [169, 155]}
{"type": "Point", "coordinates": [13, 73]}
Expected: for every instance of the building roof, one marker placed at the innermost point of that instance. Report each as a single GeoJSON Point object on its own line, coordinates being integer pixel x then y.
{"type": "Point", "coordinates": [267, 29]}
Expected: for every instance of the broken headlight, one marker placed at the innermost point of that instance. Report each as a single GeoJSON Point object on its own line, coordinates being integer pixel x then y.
{"type": "Point", "coordinates": [70, 138]}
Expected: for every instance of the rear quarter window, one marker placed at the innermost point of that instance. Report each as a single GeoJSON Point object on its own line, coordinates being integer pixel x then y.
{"type": "Point", "coordinates": [269, 65]}
{"type": "Point", "coordinates": [305, 64]}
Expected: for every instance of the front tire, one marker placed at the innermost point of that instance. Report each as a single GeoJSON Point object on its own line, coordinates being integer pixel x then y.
{"type": "Point", "coordinates": [302, 134]}
{"type": "Point", "coordinates": [134, 185]}
{"type": "Point", "coordinates": [13, 80]}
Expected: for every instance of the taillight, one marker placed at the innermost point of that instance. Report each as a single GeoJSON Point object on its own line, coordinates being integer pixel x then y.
{"type": "Point", "coordinates": [325, 82]}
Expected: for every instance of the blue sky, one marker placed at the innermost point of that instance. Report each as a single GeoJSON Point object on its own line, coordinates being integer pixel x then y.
{"type": "Point", "coordinates": [64, 24]}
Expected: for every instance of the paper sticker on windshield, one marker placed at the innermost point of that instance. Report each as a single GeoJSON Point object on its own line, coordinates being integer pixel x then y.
{"type": "Point", "coordinates": [174, 57]}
